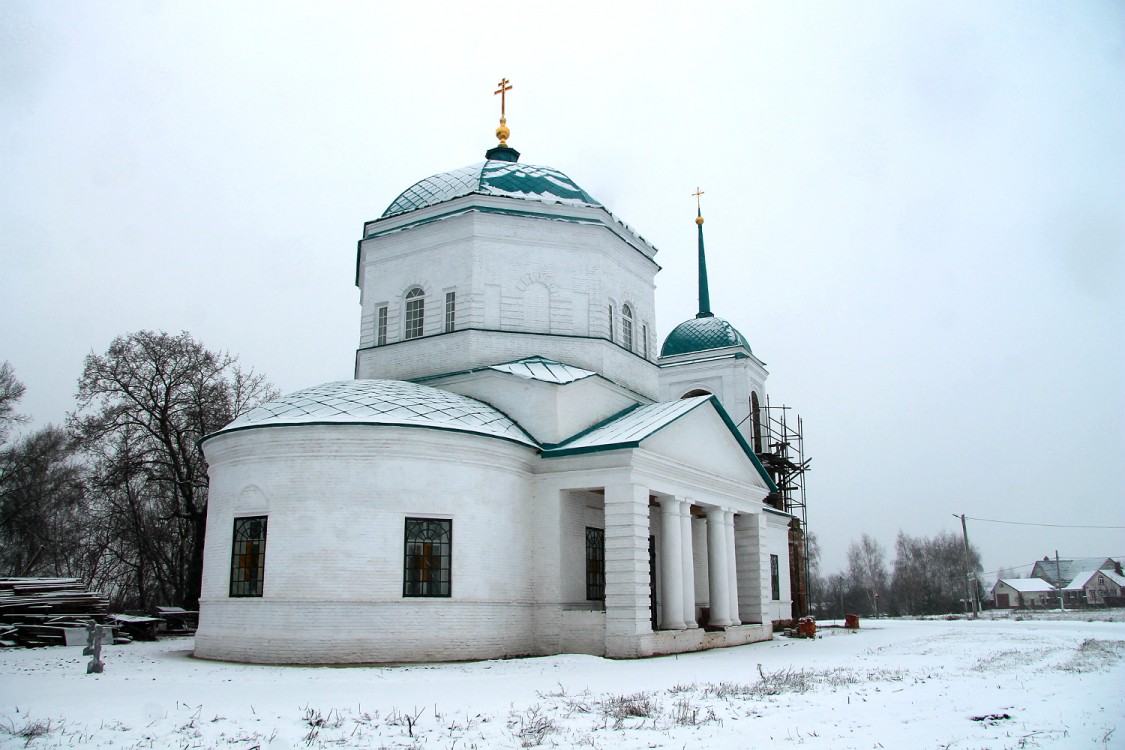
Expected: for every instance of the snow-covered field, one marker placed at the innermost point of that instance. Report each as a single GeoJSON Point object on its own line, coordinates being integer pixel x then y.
{"type": "Point", "coordinates": [893, 684]}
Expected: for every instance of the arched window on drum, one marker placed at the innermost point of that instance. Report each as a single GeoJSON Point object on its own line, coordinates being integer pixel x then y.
{"type": "Point", "coordinates": [627, 327]}
{"type": "Point", "coordinates": [415, 313]}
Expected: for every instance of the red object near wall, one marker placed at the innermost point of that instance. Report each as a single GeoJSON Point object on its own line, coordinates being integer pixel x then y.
{"type": "Point", "coordinates": [806, 627]}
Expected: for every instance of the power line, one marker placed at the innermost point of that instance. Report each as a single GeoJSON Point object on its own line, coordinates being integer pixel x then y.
{"type": "Point", "coordinates": [1051, 525]}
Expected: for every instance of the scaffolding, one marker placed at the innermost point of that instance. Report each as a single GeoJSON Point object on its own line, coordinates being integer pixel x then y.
{"type": "Point", "coordinates": [779, 442]}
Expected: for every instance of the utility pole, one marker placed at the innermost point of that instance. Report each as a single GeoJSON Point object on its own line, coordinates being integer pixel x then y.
{"type": "Point", "coordinates": [1058, 575]}
{"type": "Point", "coordinates": [970, 576]}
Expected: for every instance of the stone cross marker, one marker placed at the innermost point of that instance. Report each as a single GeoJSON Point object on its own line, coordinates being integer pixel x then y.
{"type": "Point", "coordinates": [96, 637]}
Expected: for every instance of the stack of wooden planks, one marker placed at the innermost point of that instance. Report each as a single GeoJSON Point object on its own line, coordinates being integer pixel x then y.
{"type": "Point", "coordinates": [40, 611]}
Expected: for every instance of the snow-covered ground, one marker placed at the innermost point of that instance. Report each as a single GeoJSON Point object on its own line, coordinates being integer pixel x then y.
{"type": "Point", "coordinates": [893, 684]}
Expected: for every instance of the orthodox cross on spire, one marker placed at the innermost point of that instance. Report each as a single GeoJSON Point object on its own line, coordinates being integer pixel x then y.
{"type": "Point", "coordinates": [502, 151]}
{"type": "Point", "coordinates": [505, 86]}
{"type": "Point", "coordinates": [502, 132]}
{"type": "Point", "coordinates": [704, 293]}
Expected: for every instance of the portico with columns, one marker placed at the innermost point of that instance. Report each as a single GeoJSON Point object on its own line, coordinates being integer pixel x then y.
{"type": "Point", "coordinates": [684, 548]}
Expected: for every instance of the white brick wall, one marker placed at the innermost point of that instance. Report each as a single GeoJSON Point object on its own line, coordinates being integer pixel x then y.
{"type": "Point", "coordinates": [512, 273]}
{"type": "Point", "coordinates": [337, 498]}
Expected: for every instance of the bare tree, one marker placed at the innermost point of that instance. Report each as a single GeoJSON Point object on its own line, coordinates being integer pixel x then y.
{"type": "Point", "coordinates": [929, 574]}
{"type": "Point", "coordinates": [142, 408]}
{"type": "Point", "coordinates": [11, 391]}
{"type": "Point", "coordinates": [41, 506]}
{"type": "Point", "coordinates": [867, 569]}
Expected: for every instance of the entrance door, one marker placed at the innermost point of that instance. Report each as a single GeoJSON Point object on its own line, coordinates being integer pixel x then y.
{"type": "Point", "coordinates": [1002, 601]}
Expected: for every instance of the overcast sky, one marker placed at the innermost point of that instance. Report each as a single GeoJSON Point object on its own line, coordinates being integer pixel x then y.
{"type": "Point", "coordinates": [915, 212]}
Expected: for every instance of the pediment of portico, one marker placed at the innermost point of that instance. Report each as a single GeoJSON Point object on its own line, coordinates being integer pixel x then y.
{"type": "Point", "coordinates": [693, 438]}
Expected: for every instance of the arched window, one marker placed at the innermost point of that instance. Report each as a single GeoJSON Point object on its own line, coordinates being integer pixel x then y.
{"type": "Point", "coordinates": [694, 393]}
{"type": "Point", "coordinates": [415, 312]}
{"type": "Point", "coordinates": [627, 327]}
{"type": "Point", "coordinates": [427, 567]}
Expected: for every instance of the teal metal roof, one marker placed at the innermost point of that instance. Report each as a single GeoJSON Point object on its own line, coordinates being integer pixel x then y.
{"type": "Point", "coordinates": [546, 370]}
{"type": "Point", "coordinates": [700, 334]}
{"type": "Point", "coordinates": [629, 427]}
{"type": "Point", "coordinates": [382, 402]}
{"type": "Point", "coordinates": [493, 177]}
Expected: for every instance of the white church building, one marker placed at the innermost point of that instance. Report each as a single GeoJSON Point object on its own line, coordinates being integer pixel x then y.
{"type": "Point", "coordinates": [515, 469]}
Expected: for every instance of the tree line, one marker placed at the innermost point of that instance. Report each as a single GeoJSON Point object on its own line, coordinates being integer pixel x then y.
{"type": "Point", "coordinates": [118, 495]}
{"type": "Point", "coordinates": [928, 576]}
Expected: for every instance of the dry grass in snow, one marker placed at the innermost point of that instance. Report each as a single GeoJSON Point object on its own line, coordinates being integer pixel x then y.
{"type": "Point", "coordinates": [894, 684]}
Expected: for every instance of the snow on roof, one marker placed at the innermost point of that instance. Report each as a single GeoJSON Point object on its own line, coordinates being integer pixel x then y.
{"type": "Point", "coordinates": [1079, 581]}
{"type": "Point", "coordinates": [501, 178]}
{"type": "Point", "coordinates": [382, 402]}
{"type": "Point", "coordinates": [1067, 569]}
{"type": "Point", "coordinates": [630, 428]}
{"type": "Point", "coordinates": [1027, 585]}
{"type": "Point", "coordinates": [1114, 576]}
{"type": "Point", "coordinates": [546, 370]}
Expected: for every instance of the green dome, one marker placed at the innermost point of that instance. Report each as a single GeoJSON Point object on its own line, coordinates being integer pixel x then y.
{"type": "Point", "coordinates": [508, 179]}
{"type": "Point", "coordinates": [700, 334]}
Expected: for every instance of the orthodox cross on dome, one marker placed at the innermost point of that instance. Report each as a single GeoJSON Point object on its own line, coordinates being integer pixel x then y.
{"type": "Point", "coordinates": [704, 293]}
{"type": "Point", "coordinates": [502, 132]}
{"type": "Point", "coordinates": [505, 86]}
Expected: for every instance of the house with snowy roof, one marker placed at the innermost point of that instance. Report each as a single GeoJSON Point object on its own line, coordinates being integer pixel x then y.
{"type": "Point", "coordinates": [515, 468]}
{"type": "Point", "coordinates": [1097, 588]}
{"type": "Point", "coordinates": [1062, 571]}
{"type": "Point", "coordinates": [1023, 593]}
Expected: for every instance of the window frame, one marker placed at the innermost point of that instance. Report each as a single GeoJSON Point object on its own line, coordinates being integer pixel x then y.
{"type": "Point", "coordinates": [248, 577]}
{"type": "Point", "coordinates": [414, 566]}
{"type": "Point", "coordinates": [414, 317]}
{"type": "Point", "coordinates": [627, 327]}
{"type": "Point", "coordinates": [595, 564]}
{"type": "Point", "coordinates": [612, 333]}
{"type": "Point", "coordinates": [450, 312]}
{"type": "Point", "coordinates": [775, 578]}
{"type": "Point", "coordinates": [381, 316]}
{"type": "Point", "coordinates": [644, 338]}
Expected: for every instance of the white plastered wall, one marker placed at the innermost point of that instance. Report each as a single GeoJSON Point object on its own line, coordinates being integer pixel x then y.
{"type": "Point", "coordinates": [337, 497]}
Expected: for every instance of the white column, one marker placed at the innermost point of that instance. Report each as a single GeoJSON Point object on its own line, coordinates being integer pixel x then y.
{"type": "Point", "coordinates": [717, 568]}
{"type": "Point", "coordinates": [732, 568]}
{"type": "Point", "coordinates": [627, 620]}
{"type": "Point", "coordinates": [687, 556]}
{"type": "Point", "coordinates": [671, 566]}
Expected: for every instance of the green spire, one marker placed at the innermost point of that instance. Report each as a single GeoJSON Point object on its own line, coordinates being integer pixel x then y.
{"type": "Point", "coordinates": [704, 294]}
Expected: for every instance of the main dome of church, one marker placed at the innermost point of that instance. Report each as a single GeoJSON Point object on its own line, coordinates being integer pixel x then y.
{"type": "Point", "coordinates": [495, 177]}
{"type": "Point", "coordinates": [701, 334]}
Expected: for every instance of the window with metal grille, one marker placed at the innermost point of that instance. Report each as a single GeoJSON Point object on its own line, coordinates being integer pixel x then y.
{"type": "Point", "coordinates": [450, 311]}
{"type": "Point", "coordinates": [595, 564]}
{"type": "Point", "coordinates": [248, 556]}
{"type": "Point", "coordinates": [775, 579]}
{"type": "Point", "coordinates": [428, 552]}
{"type": "Point", "coordinates": [611, 336]}
{"type": "Point", "coordinates": [627, 327]}
{"type": "Point", "coordinates": [415, 312]}
{"type": "Point", "coordinates": [381, 326]}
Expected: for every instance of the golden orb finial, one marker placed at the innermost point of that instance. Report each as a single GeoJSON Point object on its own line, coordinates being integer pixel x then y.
{"type": "Point", "coordinates": [698, 219]}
